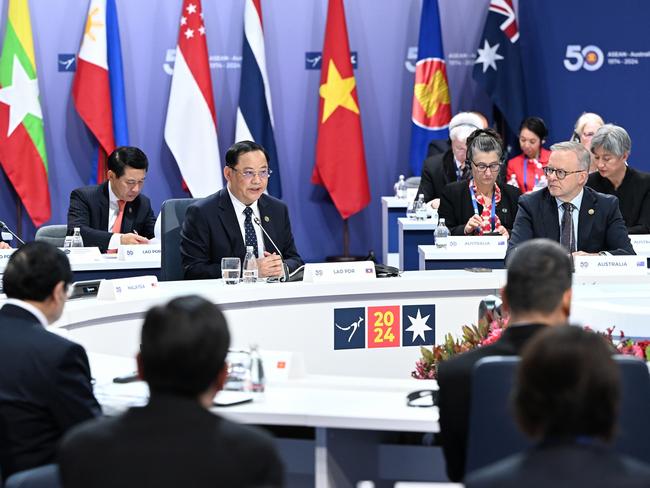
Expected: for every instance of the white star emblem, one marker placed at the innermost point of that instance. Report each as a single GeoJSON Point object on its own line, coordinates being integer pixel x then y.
{"type": "Point", "coordinates": [418, 326]}
{"type": "Point", "coordinates": [189, 33]}
{"type": "Point", "coordinates": [488, 56]}
{"type": "Point", "coordinates": [21, 96]}
{"type": "Point", "coordinates": [202, 30]}
{"type": "Point", "coordinates": [183, 20]}
{"type": "Point", "coordinates": [191, 8]}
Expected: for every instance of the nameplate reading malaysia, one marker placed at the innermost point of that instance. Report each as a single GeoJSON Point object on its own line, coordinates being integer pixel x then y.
{"type": "Point", "coordinates": [339, 272]}
{"type": "Point", "coordinates": [128, 288]}
{"type": "Point", "coordinates": [486, 244]}
{"type": "Point", "coordinates": [139, 252]}
{"type": "Point", "coordinates": [5, 254]}
{"type": "Point", "coordinates": [610, 265]}
{"type": "Point", "coordinates": [82, 254]}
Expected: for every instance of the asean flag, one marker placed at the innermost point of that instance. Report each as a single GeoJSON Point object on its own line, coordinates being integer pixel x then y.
{"type": "Point", "coordinates": [340, 157]}
{"type": "Point", "coordinates": [98, 86]}
{"type": "Point", "coordinates": [431, 102]}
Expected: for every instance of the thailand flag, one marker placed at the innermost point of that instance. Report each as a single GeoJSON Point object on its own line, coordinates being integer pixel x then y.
{"type": "Point", "coordinates": [191, 125]}
{"type": "Point", "coordinates": [98, 86]}
{"type": "Point", "coordinates": [255, 113]}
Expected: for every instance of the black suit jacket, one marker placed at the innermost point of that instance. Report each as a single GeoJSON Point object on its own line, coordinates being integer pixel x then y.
{"type": "Point", "coordinates": [456, 206]}
{"type": "Point", "coordinates": [172, 442]}
{"type": "Point", "coordinates": [44, 390]}
{"type": "Point", "coordinates": [437, 172]}
{"type": "Point", "coordinates": [600, 224]}
{"type": "Point", "coordinates": [89, 208]}
{"type": "Point", "coordinates": [563, 465]}
{"type": "Point", "coordinates": [211, 232]}
{"type": "Point", "coordinates": [633, 198]}
{"type": "Point", "coordinates": [455, 380]}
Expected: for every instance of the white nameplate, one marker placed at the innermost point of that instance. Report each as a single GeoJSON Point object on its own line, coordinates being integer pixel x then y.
{"type": "Point", "coordinates": [610, 265]}
{"type": "Point", "coordinates": [482, 244]}
{"type": "Point", "coordinates": [641, 243]}
{"type": "Point", "coordinates": [283, 365]}
{"type": "Point", "coordinates": [139, 252]}
{"type": "Point", "coordinates": [128, 288]}
{"type": "Point", "coordinates": [5, 254]}
{"type": "Point", "coordinates": [339, 272]}
{"type": "Point", "coordinates": [82, 254]}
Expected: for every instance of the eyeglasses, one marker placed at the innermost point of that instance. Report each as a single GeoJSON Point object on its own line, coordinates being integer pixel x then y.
{"type": "Point", "coordinates": [560, 173]}
{"type": "Point", "coordinates": [482, 167]}
{"type": "Point", "coordinates": [248, 174]}
{"type": "Point", "coordinates": [133, 183]}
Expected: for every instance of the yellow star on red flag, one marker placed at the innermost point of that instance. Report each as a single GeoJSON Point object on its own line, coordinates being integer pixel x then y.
{"type": "Point", "coordinates": [337, 92]}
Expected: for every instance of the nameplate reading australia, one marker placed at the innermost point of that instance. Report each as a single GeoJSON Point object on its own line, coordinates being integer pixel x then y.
{"type": "Point", "coordinates": [641, 243]}
{"type": "Point", "coordinates": [339, 272]}
{"type": "Point", "coordinates": [496, 245]}
{"type": "Point", "coordinates": [133, 288]}
{"type": "Point", "coordinates": [139, 252]}
{"type": "Point", "coordinates": [610, 265]}
{"type": "Point", "coordinates": [5, 254]}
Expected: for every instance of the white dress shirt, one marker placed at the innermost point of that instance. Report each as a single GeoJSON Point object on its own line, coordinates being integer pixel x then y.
{"type": "Point", "coordinates": [30, 308]}
{"type": "Point", "coordinates": [113, 211]}
{"type": "Point", "coordinates": [241, 217]}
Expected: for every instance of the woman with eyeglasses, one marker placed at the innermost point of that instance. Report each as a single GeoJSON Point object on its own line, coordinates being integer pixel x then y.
{"type": "Point", "coordinates": [480, 206]}
{"type": "Point", "coordinates": [526, 170]}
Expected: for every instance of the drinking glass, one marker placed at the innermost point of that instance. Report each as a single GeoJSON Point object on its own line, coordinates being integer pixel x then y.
{"type": "Point", "coordinates": [230, 270]}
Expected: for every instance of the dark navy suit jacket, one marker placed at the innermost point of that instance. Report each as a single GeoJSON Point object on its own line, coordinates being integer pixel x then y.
{"type": "Point", "coordinates": [44, 390]}
{"type": "Point", "coordinates": [89, 208]}
{"type": "Point", "coordinates": [211, 232]}
{"type": "Point", "coordinates": [600, 224]}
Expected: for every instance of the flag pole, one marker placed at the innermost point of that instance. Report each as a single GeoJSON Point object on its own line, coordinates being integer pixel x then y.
{"type": "Point", "coordinates": [346, 239]}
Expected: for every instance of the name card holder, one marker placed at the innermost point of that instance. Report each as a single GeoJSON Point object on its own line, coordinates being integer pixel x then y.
{"type": "Point", "coordinates": [339, 272]}
{"type": "Point", "coordinates": [610, 265]}
{"type": "Point", "coordinates": [641, 244]}
{"type": "Point", "coordinates": [488, 244]}
{"type": "Point", "coordinates": [128, 288]}
{"type": "Point", "coordinates": [82, 254]}
{"type": "Point", "coordinates": [139, 252]}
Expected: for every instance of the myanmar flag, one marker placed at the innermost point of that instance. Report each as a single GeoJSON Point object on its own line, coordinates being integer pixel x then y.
{"type": "Point", "coordinates": [22, 143]}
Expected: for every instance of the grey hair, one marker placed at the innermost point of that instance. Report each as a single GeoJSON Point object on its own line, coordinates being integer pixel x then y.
{"type": "Point", "coordinates": [584, 158]}
{"type": "Point", "coordinates": [461, 132]}
{"type": "Point", "coordinates": [588, 117]}
{"type": "Point", "coordinates": [613, 139]}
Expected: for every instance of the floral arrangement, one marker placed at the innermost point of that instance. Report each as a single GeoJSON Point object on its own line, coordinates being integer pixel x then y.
{"type": "Point", "coordinates": [489, 331]}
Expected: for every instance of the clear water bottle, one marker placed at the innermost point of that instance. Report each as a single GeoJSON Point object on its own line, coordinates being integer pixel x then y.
{"type": "Point", "coordinates": [441, 234]}
{"type": "Point", "coordinates": [258, 382]}
{"type": "Point", "coordinates": [77, 241]}
{"type": "Point", "coordinates": [250, 271]}
{"type": "Point", "coordinates": [400, 188]}
{"type": "Point", "coordinates": [410, 210]}
{"type": "Point", "coordinates": [420, 208]}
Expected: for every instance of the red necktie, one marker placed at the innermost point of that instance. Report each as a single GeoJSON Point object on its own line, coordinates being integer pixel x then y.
{"type": "Point", "coordinates": [117, 226]}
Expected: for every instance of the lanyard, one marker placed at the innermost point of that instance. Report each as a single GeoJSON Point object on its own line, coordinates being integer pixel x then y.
{"type": "Point", "coordinates": [475, 204]}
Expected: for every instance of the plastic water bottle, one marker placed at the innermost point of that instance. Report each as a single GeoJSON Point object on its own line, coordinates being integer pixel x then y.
{"type": "Point", "coordinates": [250, 270]}
{"type": "Point", "coordinates": [410, 210]}
{"type": "Point", "coordinates": [420, 209]}
{"type": "Point", "coordinates": [400, 188]}
{"type": "Point", "coordinates": [77, 241]}
{"type": "Point", "coordinates": [441, 234]}
{"type": "Point", "coordinates": [258, 382]}
{"type": "Point", "coordinates": [513, 180]}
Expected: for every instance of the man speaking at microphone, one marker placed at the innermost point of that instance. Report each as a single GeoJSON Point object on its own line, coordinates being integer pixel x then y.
{"type": "Point", "coordinates": [223, 224]}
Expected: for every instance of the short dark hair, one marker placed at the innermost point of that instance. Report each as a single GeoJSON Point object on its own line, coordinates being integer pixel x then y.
{"type": "Point", "coordinates": [567, 385]}
{"type": "Point", "coordinates": [183, 346]}
{"type": "Point", "coordinates": [539, 272]}
{"type": "Point", "coordinates": [243, 147]}
{"type": "Point", "coordinates": [34, 270]}
{"type": "Point", "coordinates": [124, 156]}
{"type": "Point", "coordinates": [536, 125]}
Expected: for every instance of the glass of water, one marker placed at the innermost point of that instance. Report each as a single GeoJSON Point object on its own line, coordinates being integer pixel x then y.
{"type": "Point", "coordinates": [230, 270]}
{"type": "Point", "coordinates": [67, 242]}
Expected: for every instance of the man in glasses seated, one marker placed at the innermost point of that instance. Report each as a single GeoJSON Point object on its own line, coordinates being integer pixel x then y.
{"type": "Point", "coordinates": [115, 212]}
{"type": "Point", "coordinates": [225, 223]}
{"type": "Point", "coordinates": [582, 220]}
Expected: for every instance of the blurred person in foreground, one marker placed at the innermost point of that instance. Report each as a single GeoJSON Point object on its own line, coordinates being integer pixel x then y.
{"type": "Point", "coordinates": [174, 441]}
{"type": "Point", "coordinates": [537, 294]}
{"type": "Point", "coordinates": [566, 398]}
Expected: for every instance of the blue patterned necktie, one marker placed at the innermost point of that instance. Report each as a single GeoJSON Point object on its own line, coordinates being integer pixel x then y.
{"type": "Point", "coordinates": [249, 230]}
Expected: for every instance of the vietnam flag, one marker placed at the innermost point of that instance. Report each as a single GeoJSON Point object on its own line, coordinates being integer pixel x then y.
{"type": "Point", "coordinates": [340, 159]}
{"type": "Point", "coordinates": [22, 141]}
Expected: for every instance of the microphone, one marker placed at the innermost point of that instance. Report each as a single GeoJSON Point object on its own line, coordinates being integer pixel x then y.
{"type": "Point", "coordinates": [285, 268]}
{"type": "Point", "coordinates": [5, 227]}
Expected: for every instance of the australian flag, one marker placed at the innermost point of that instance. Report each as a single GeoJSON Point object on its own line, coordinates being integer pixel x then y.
{"type": "Point", "coordinates": [498, 67]}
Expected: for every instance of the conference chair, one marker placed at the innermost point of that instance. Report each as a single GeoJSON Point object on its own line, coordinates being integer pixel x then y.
{"type": "Point", "coordinates": [54, 234]}
{"type": "Point", "coordinates": [42, 477]}
{"type": "Point", "coordinates": [172, 215]}
{"type": "Point", "coordinates": [493, 433]}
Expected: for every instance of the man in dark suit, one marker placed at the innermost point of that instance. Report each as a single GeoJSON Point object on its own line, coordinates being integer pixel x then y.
{"type": "Point", "coordinates": [44, 379]}
{"type": "Point", "coordinates": [223, 224]}
{"type": "Point", "coordinates": [566, 398]}
{"type": "Point", "coordinates": [115, 212]}
{"type": "Point", "coordinates": [537, 294]}
{"type": "Point", "coordinates": [174, 440]}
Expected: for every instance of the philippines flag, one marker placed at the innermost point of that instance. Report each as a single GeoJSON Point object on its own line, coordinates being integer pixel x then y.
{"type": "Point", "coordinates": [191, 125]}
{"type": "Point", "coordinates": [431, 102]}
{"type": "Point", "coordinates": [255, 113]}
{"type": "Point", "coordinates": [98, 86]}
